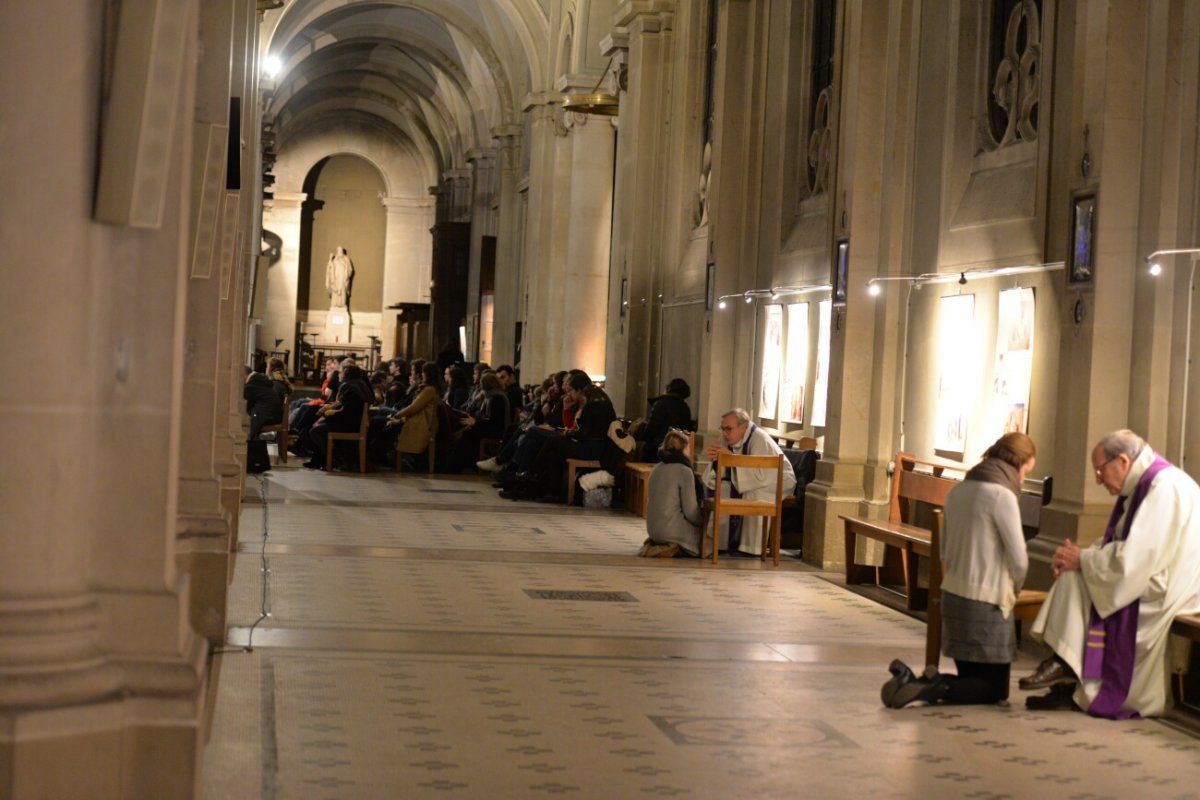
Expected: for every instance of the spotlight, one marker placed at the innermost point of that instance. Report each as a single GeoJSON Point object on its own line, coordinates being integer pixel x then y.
{"type": "Point", "coordinates": [721, 304]}
{"type": "Point", "coordinates": [873, 289]}
{"type": "Point", "coordinates": [962, 279]}
{"type": "Point", "coordinates": [1155, 268]}
{"type": "Point", "coordinates": [271, 66]}
{"type": "Point", "coordinates": [749, 299]}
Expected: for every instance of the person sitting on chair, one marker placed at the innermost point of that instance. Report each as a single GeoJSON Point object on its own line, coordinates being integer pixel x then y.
{"type": "Point", "coordinates": [1108, 615]}
{"type": "Point", "coordinates": [344, 415]}
{"type": "Point", "coordinates": [741, 436]}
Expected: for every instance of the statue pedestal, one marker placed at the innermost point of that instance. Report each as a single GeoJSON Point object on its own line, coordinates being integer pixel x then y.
{"type": "Point", "coordinates": [337, 325]}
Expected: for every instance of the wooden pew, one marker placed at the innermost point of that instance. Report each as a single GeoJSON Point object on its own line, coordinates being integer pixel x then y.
{"type": "Point", "coordinates": [909, 487]}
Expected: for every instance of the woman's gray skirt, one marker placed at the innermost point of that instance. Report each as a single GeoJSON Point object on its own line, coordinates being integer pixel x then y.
{"type": "Point", "coordinates": [975, 631]}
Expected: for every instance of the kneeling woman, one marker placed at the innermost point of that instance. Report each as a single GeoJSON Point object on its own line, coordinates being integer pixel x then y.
{"type": "Point", "coordinates": [984, 561]}
{"type": "Point", "coordinates": [673, 492]}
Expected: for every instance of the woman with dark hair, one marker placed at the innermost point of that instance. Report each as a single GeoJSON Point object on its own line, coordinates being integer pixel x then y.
{"type": "Point", "coordinates": [458, 388]}
{"type": "Point", "coordinates": [984, 561]}
{"type": "Point", "coordinates": [490, 423]}
{"type": "Point", "coordinates": [673, 497]}
{"type": "Point", "coordinates": [667, 411]}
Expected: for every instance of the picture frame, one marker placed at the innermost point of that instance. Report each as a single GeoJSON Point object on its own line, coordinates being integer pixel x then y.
{"type": "Point", "coordinates": [841, 271]}
{"type": "Point", "coordinates": [1081, 253]}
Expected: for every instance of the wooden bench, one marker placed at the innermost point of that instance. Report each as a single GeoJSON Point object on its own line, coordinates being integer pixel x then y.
{"type": "Point", "coordinates": [909, 487]}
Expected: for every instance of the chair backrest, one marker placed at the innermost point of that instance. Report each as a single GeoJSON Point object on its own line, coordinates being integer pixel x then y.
{"type": "Point", "coordinates": [807, 443]}
{"type": "Point", "coordinates": [366, 420]}
{"type": "Point", "coordinates": [727, 460]}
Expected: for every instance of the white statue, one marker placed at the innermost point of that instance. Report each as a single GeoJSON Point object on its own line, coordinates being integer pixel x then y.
{"type": "Point", "coordinates": [338, 273]}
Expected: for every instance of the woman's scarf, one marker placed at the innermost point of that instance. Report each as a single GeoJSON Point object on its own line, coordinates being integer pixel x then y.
{"type": "Point", "coordinates": [995, 470]}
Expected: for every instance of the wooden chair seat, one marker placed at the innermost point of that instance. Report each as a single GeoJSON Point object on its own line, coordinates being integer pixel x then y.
{"type": "Point", "coordinates": [743, 507]}
{"type": "Point", "coordinates": [359, 436]}
{"type": "Point", "coordinates": [280, 429]}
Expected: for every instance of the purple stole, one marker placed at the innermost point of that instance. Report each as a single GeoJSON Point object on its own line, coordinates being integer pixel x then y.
{"type": "Point", "coordinates": [1112, 642]}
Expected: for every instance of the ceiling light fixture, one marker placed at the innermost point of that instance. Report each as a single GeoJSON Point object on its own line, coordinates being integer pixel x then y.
{"type": "Point", "coordinates": [594, 102]}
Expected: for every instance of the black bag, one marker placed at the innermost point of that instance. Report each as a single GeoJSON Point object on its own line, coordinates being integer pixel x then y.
{"type": "Point", "coordinates": [257, 458]}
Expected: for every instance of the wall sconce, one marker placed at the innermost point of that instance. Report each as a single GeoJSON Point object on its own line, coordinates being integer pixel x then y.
{"type": "Point", "coordinates": [773, 293]}
{"type": "Point", "coordinates": [595, 101]}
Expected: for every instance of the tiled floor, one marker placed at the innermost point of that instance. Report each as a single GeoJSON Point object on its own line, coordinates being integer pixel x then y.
{"type": "Point", "coordinates": [428, 639]}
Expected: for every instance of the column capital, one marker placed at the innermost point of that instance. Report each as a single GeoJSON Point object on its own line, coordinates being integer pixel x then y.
{"type": "Point", "coordinates": [541, 101]}
{"type": "Point", "coordinates": [649, 16]}
{"type": "Point", "coordinates": [615, 43]}
{"type": "Point", "coordinates": [480, 154]}
{"type": "Point", "coordinates": [284, 200]}
{"type": "Point", "coordinates": [507, 134]}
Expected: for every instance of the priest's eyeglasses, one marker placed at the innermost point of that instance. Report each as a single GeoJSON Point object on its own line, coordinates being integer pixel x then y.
{"type": "Point", "coordinates": [1100, 468]}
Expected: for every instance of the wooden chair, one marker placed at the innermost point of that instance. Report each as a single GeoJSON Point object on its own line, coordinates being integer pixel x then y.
{"type": "Point", "coordinates": [280, 430]}
{"type": "Point", "coordinates": [360, 436]}
{"type": "Point", "coordinates": [743, 507]}
{"type": "Point", "coordinates": [430, 451]}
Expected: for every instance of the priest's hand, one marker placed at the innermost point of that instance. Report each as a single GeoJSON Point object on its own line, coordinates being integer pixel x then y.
{"type": "Point", "coordinates": [713, 450]}
{"type": "Point", "coordinates": [1066, 558]}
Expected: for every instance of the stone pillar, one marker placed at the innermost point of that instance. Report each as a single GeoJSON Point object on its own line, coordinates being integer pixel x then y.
{"type": "Point", "coordinates": [569, 234]}
{"type": "Point", "coordinates": [282, 217]}
{"type": "Point", "coordinates": [102, 680]}
{"type": "Point", "coordinates": [407, 258]}
{"type": "Point", "coordinates": [643, 48]}
{"type": "Point", "coordinates": [203, 524]}
{"type": "Point", "coordinates": [483, 190]}
{"type": "Point", "coordinates": [508, 247]}
{"type": "Point", "coordinates": [1109, 360]}
{"type": "Point", "coordinates": [865, 350]}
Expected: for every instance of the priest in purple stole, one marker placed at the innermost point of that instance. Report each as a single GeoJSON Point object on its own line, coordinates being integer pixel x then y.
{"type": "Point", "coordinates": [1108, 616]}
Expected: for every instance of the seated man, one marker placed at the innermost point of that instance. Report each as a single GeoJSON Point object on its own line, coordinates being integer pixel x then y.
{"type": "Point", "coordinates": [1108, 615]}
{"type": "Point", "coordinates": [264, 401]}
{"type": "Point", "coordinates": [743, 437]}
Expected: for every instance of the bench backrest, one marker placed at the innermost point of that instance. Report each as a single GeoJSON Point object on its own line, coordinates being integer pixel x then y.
{"type": "Point", "coordinates": [910, 487]}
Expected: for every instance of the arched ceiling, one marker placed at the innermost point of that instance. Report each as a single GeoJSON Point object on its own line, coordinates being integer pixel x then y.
{"type": "Point", "coordinates": [436, 74]}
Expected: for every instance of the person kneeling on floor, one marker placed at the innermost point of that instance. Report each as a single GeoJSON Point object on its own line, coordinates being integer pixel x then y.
{"type": "Point", "coordinates": [674, 496]}
{"type": "Point", "coordinates": [984, 558]}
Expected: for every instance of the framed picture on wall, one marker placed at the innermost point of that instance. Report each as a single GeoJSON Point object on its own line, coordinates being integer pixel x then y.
{"type": "Point", "coordinates": [1081, 256]}
{"type": "Point", "coordinates": [841, 271]}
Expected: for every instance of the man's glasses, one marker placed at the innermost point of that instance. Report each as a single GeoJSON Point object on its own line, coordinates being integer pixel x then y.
{"type": "Point", "coordinates": [728, 428]}
{"type": "Point", "coordinates": [1100, 468]}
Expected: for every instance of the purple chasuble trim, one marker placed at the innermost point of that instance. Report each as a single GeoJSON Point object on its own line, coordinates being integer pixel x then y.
{"type": "Point", "coordinates": [1108, 655]}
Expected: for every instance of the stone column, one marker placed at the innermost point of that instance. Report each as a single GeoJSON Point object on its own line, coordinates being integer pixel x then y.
{"type": "Point", "coordinates": [865, 350]}
{"type": "Point", "coordinates": [407, 256]}
{"type": "Point", "coordinates": [483, 180]}
{"type": "Point", "coordinates": [97, 660]}
{"type": "Point", "coordinates": [203, 522]}
{"type": "Point", "coordinates": [643, 45]}
{"type": "Point", "coordinates": [508, 243]}
{"type": "Point", "coordinates": [282, 217]}
{"type": "Point", "coordinates": [570, 226]}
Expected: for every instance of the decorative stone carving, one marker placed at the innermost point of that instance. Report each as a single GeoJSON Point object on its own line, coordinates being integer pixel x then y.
{"type": "Point", "coordinates": [820, 144]}
{"type": "Point", "coordinates": [1016, 87]}
{"type": "Point", "coordinates": [338, 274]}
{"type": "Point", "coordinates": [700, 213]}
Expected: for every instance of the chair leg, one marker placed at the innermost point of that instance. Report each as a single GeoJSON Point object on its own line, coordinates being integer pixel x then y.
{"type": "Point", "coordinates": [330, 443]}
{"type": "Point", "coordinates": [570, 488]}
{"type": "Point", "coordinates": [362, 455]}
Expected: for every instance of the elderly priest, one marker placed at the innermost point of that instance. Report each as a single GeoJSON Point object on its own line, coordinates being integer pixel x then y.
{"type": "Point", "coordinates": [1108, 615]}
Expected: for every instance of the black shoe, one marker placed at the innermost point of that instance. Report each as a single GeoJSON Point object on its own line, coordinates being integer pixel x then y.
{"type": "Point", "coordinates": [313, 464]}
{"type": "Point", "coordinates": [1051, 672]}
{"type": "Point", "coordinates": [905, 688]}
{"type": "Point", "coordinates": [512, 494]}
{"type": "Point", "coordinates": [901, 675]}
{"type": "Point", "coordinates": [1061, 697]}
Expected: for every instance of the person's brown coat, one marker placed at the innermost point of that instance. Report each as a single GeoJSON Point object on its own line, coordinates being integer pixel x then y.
{"type": "Point", "coordinates": [420, 421]}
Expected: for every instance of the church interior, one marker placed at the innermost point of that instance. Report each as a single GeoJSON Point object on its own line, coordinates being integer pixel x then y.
{"type": "Point", "coordinates": [888, 230]}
